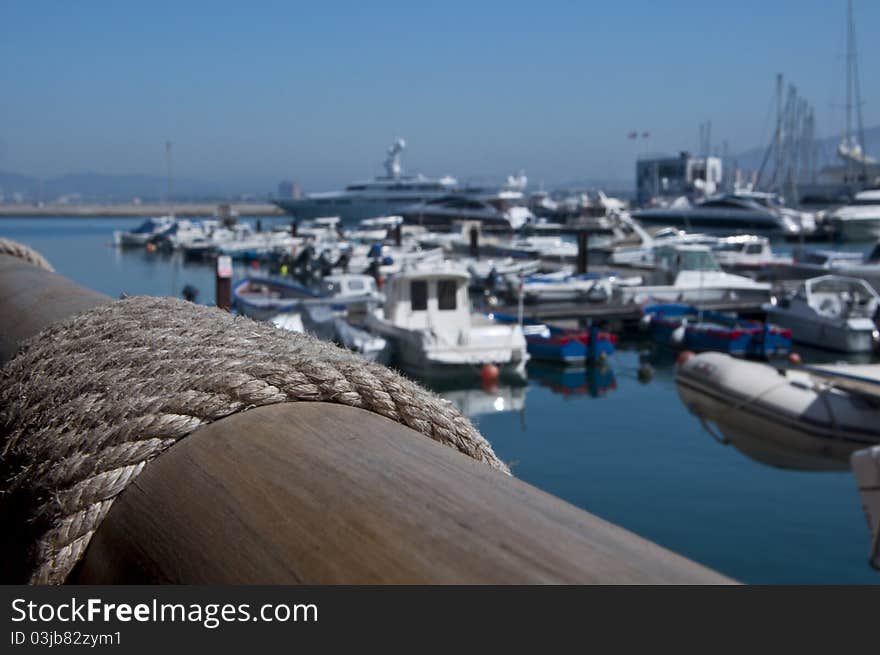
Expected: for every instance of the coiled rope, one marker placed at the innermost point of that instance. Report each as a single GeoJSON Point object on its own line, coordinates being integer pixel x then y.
{"type": "Point", "coordinates": [88, 402]}
{"type": "Point", "coordinates": [24, 252]}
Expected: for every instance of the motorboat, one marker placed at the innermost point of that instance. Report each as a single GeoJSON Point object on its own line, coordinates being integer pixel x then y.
{"type": "Point", "coordinates": [565, 286]}
{"type": "Point", "coordinates": [492, 211]}
{"type": "Point", "coordinates": [263, 297]}
{"type": "Point", "coordinates": [815, 262]}
{"type": "Point", "coordinates": [643, 255]}
{"type": "Point", "coordinates": [749, 253]}
{"type": "Point", "coordinates": [322, 322]}
{"type": "Point", "coordinates": [686, 326]}
{"type": "Point", "coordinates": [563, 345]}
{"type": "Point", "coordinates": [731, 213]}
{"type": "Point", "coordinates": [143, 233]}
{"type": "Point", "coordinates": [860, 219]}
{"type": "Point", "coordinates": [691, 274]}
{"type": "Point", "coordinates": [798, 418]}
{"type": "Point", "coordinates": [832, 312]}
{"type": "Point", "coordinates": [383, 195]}
{"type": "Point", "coordinates": [428, 318]}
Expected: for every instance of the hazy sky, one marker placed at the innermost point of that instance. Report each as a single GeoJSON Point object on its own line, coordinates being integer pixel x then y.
{"type": "Point", "coordinates": [316, 91]}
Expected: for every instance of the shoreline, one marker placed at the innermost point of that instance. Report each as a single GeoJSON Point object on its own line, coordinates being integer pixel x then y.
{"type": "Point", "coordinates": [186, 209]}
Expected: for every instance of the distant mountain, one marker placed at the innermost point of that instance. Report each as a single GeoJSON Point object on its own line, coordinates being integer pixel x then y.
{"type": "Point", "coordinates": [750, 160]}
{"type": "Point", "coordinates": [100, 187]}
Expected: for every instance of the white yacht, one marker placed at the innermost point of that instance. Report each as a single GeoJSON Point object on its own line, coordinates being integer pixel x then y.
{"type": "Point", "coordinates": [832, 312]}
{"type": "Point", "coordinates": [382, 196]}
{"type": "Point", "coordinates": [428, 318]}
{"type": "Point", "coordinates": [860, 219]}
{"type": "Point", "coordinates": [690, 274]}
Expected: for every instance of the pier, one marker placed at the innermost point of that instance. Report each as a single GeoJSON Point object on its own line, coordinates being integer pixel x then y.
{"type": "Point", "coordinates": [115, 210]}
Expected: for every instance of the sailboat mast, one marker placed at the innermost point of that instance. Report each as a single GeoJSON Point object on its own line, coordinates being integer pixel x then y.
{"type": "Point", "coordinates": [851, 29]}
{"type": "Point", "coordinates": [168, 166]}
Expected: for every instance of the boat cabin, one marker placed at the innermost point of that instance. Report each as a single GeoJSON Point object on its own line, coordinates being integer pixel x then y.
{"type": "Point", "coordinates": [432, 298]}
{"type": "Point", "coordinates": [669, 261]}
{"type": "Point", "coordinates": [343, 286]}
{"type": "Point", "coordinates": [837, 296]}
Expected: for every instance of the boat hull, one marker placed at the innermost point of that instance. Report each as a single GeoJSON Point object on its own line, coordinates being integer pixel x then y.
{"type": "Point", "coordinates": [785, 421]}
{"type": "Point", "coordinates": [840, 337]}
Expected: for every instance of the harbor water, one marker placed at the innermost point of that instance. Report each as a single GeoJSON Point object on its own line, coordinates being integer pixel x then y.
{"type": "Point", "coordinates": [622, 448]}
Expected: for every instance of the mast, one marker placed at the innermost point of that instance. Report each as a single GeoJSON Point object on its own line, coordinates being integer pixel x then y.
{"type": "Point", "coordinates": [168, 167]}
{"type": "Point", "coordinates": [853, 60]}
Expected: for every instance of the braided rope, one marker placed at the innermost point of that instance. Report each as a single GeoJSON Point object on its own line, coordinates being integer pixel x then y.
{"type": "Point", "coordinates": [89, 401]}
{"type": "Point", "coordinates": [22, 251]}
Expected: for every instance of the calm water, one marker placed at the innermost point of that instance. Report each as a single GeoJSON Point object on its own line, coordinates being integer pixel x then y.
{"type": "Point", "coordinates": [626, 451]}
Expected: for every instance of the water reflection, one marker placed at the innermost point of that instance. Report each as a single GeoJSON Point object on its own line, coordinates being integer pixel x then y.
{"type": "Point", "coordinates": [594, 381]}
{"type": "Point", "coordinates": [808, 457]}
{"type": "Point", "coordinates": [479, 401]}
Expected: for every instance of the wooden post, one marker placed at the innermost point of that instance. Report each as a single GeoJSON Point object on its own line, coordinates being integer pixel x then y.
{"type": "Point", "coordinates": [475, 241]}
{"type": "Point", "coordinates": [398, 234]}
{"type": "Point", "coordinates": [583, 240]}
{"type": "Point", "coordinates": [224, 282]}
{"type": "Point", "coordinates": [259, 225]}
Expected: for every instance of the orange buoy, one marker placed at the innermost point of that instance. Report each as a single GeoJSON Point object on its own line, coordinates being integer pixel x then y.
{"type": "Point", "coordinates": [683, 356]}
{"type": "Point", "coordinates": [794, 358]}
{"type": "Point", "coordinates": [489, 375]}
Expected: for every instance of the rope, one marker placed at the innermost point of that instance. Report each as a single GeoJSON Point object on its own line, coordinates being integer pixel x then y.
{"type": "Point", "coordinates": [22, 251]}
{"type": "Point", "coordinates": [90, 400]}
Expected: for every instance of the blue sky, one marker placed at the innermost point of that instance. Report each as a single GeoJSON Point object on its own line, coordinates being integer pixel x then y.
{"type": "Point", "coordinates": [316, 91]}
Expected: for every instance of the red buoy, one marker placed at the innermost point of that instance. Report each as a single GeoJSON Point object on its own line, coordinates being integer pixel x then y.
{"type": "Point", "coordinates": [489, 375]}
{"type": "Point", "coordinates": [794, 358]}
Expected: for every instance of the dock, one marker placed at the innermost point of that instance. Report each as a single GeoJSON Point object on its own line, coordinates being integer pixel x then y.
{"type": "Point", "coordinates": [117, 210]}
{"type": "Point", "coordinates": [621, 312]}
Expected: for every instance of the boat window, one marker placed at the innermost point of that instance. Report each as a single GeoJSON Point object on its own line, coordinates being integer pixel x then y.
{"type": "Point", "coordinates": [356, 285]}
{"type": "Point", "coordinates": [753, 249]}
{"type": "Point", "coordinates": [418, 295]}
{"type": "Point", "coordinates": [446, 294]}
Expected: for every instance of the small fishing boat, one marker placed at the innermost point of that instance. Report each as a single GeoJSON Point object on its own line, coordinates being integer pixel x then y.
{"type": "Point", "coordinates": [428, 318]}
{"type": "Point", "coordinates": [796, 418]}
{"type": "Point", "coordinates": [322, 322]}
{"type": "Point", "coordinates": [563, 345]}
{"type": "Point", "coordinates": [690, 327]}
{"type": "Point", "coordinates": [143, 233]}
{"type": "Point", "coordinates": [832, 312]}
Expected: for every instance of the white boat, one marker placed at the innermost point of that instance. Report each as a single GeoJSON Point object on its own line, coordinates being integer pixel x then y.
{"type": "Point", "coordinates": [691, 274]}
{"type": "Point", "coordinates": [428, 318]}
{"type": "Point", "coordinates": [321, 322]}
{"type": "Point", "coordinates": [143, 233]}
{"type": "Point", "coordinates": [382, 195]}
{"type": "Point", "coordinates": [866, 469]}
{"type": "Point", "coordinates": [748, 253]}
{"type": "Point", "coordinates": [832, 312]}
{"type": "Point", "coordinates": [860, 219]}
{"type": "Point", "coordinates": [643, 254]}
{"type": "Point", "coordinates": [799, 418]}
{"type": "Point", "coordinates": [565, 286]}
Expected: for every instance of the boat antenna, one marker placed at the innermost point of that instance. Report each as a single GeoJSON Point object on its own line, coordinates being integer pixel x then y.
{"type": "Point", "coordinates": [392, 162]}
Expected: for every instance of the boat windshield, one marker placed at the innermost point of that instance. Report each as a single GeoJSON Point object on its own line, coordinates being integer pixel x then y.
{"type": "Point", "coordinates": [688, 260]}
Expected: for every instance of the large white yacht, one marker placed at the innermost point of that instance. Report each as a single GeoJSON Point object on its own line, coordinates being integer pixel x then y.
{"type": "Point", "coordinates": [382, 196]}
{"type": "Point", "coordinates": [860, 219]}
